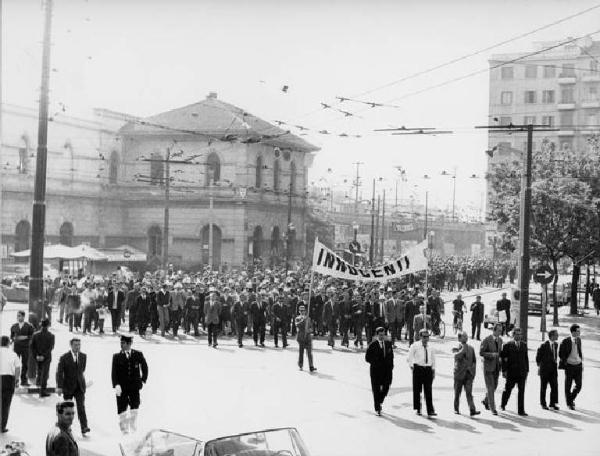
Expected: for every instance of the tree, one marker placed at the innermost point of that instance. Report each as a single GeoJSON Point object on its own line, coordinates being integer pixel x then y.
{"type": "Point", "coordinates": [565, 190]}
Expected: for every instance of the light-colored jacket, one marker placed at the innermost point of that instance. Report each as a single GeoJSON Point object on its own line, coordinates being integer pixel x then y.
{"type": "Point", "coordinates": [491, 363]}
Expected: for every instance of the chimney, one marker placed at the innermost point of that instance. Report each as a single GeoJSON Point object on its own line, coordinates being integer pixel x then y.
{"type": "Point", "coordinates": [212, 95]}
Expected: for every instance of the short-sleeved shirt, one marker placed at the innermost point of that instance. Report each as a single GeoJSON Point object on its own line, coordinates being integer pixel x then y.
{"type": "Point", "coordinates": [9, 361]}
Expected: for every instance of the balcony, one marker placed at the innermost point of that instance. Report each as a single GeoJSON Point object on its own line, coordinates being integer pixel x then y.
{"type": "Point", "coordinates": [595, 77]}
{"type": "Point", "coordinates": [566, 106]}
{"type": "Point", "coordinates": [590, 104]}
{"type": "Point", "coordinates": [567, 78]}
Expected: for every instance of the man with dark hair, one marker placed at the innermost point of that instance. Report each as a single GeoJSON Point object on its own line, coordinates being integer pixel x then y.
{"type": "Point", "coordinates": [477, 311]}
{"type": "Point", "coordinates": [490, 350]}
{"type": "Point", "coordinates": [547, 361]}
{"type": "Point", "coordinates": [42, 344]}
{"type": "Point", "coordinates": [465, 364]}
{"type": "Point", "coordinates": [129, 373]}
{"type": "Point", "coordinates": [380, 355]}
{"type": "Point", "coordinates": [115, 303]}
{"type": "Point", "coordinates": [10, 368]}
{"type": "Point", "coordinates": [304, 337]}
{"type": "Point", "coordinates": [571, 360]}
{"type": "Point", "coordinates": [60, 440]}
{"type": "Point", "coordinates": [503, 305]}
{"type": "Point", "coordinates": [70, 380]}
{"type": "Point", "coordinates": [21, 334]}
{"type": "Point", "coordinates": [212, 311]}
{"type": "Point", "coordinates": [421, 359]}
{"type": "Point", "coordinates": [515, 368]}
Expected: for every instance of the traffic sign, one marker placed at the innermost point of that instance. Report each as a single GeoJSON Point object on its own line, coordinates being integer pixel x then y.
{"type": "Point", "coordinates": [544, 274]}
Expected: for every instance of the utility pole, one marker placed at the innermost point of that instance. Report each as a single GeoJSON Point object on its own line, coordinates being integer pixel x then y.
{"type": "Point", "coordinates": [211, 176]}
{"type": "Point", "coordinates": [371, 246]}
{"type": "Point", "coordinates": [289, 230]}
{"type": "Point", "coordinates": [454, 195]}
{"type": "Point", "coordinates": [426, 214]}
{"type": "Point", "coordinates": [36, 259]}
{"type": "Point", "coordinates": [357, 184]}
{"type": "Point", "coordinates": [166, 219]}
{"type": "Point", "coordinates": [382, 226]}
{"type": "Point", "coordinates": [376, 249]}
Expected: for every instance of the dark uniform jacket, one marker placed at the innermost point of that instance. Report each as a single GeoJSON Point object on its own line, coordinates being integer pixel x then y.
{"type": "Point", "coordinates": [240, 310]}
{"type": "Point", "coordinates": [130, 373]}
{"type": "Point", "coordinates": [70, 376]}
{"type": "Point", "coordinates": [42, 344]}
{"type": "Point", "coordinates": [515, 361]}
{"type": "Point", "coordinates": [280, 313]}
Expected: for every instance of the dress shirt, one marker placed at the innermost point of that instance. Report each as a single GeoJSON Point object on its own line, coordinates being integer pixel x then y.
{"type": "Point", "coordinates": [574, 357]}
{"type": "Point", "coordinates": [9, 361]}
{"type": "Point", "coordinates": [75, 356]}
{"type": "Point", "coordinates": [416, 356]}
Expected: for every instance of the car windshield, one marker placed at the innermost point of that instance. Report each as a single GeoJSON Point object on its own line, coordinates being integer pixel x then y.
{"type": "Point", "coordinates": [280, 442]}
{"type": "Point", "coordinates": [162, 443]}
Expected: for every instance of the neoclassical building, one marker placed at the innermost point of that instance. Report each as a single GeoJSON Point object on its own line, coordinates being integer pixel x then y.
{"type": "Point", "coordinates": [107, 183]}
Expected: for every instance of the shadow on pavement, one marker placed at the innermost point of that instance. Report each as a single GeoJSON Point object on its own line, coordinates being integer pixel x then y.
{"type": "Point", "coordinates": [322, 376]}
{"type": "Point", "coordinates": [585, 418]}
{"type": "Point", "coordinates": [407, 424]}
{"type": "Point", "coordinates": [455, 425]}
{"type": "Point", "coordinates": [499, 425]}
{"type": "Point", "coordinates": [542, 423]}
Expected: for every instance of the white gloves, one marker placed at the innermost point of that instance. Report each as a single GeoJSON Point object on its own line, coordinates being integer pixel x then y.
{"type": "Point", "coordinates": [118, 390]}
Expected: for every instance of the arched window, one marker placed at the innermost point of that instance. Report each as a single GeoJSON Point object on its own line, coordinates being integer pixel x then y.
{"type": "Point", "coordinates": [22, 235]}
{"type": "Point", "coordinates": [213, 169]}
{"type": "Point", "coordinates": [154, 241]}
{"type": "Point", "coordinates": [66, 234]}
{"type": "Point", "coordinates": [257, 242]}
{"type": "Point", "coordinates": [113, 169]}
{"type": "Point", "coordinates": [259, 168]}
{"type": "Point", "coordinates": [293, 177]}
{"type": "Point", "coordinates": [276, 175]}
{"type": "Point", "coordinates": [157, 169]}
{"type": "Point", "coordinates": [275, 240]}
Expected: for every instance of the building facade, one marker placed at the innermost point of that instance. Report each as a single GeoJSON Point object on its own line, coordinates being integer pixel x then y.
{"type": "Point", "coordinates": [107, 184]}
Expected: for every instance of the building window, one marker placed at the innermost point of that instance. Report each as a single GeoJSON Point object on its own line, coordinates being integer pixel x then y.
{"type": "Point", "coordinates": [592, 93]}
{"type": "Point", "coordinates": [568, 70]}
{"type": "Point", "coordinates": [531, 71]}
{"type": "Point", "coordinates": [154, 241]}
{"type": "Point", "coordinates": [529, 96]}
{"type": "Point", "coordinates": [66, 234]}
{"type": "Point", "coordinates": [505, 120]}
{"type": "Point", "coordinates": [548, 121]}
{"type": "Point", "coordinates": [506, 72]}
{"type": "Point", "coordinates": [23, 160]}
{"type": "Point", "coordinates": [506, 98]}
{"type": "Point", "coordinates": [293, 177]}
{"type": "Point", "coordinates": [593, 66]}
{"type": "Point", "coordinates": [549, 71]}
{"type": "Point", "coordinates": [548, 96]}
{"type": "Point", "coordinates": [275, 240]}
{"type": "Point", "coordinates": [157, 169]}
{"type": "Point", "coordinates": [529, 120]}
{"type": "Point", "coordinates": [259, 169]}
{"type": "Point", "coordinates": [592, 119]}
{"type": "Point", "coordinates": [257, 242]}
{"type": "Point", "coordinates": [213, 169]}
{"type": "Point", "coordinates": [22, 235]}
{"type": "Point", "coordinates": [566, 119]}
{"type": "Point", "coordinates": [567, 95]}
{"type": "Point", "coordinates": [276, 172]}
{"type": "Point", "coordinates": [113, 168]}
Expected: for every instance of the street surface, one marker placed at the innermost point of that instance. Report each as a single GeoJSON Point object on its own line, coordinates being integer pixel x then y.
{"type": "Point", "coordinates": [205, 392]}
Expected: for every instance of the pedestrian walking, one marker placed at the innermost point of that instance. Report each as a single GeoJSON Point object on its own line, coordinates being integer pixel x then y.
{"type": "Point", "coordinates": [571, 360]}
{"type": "Point", "coordinates": [129, 373]}
{"type": "Point", "coordinates": [421, 321]}
{"type": "Point", "coordinates": [547, 361]}
{"type": "Point", "coordinates": [503, 308]}
{"type": "Point", "coordinates": [192, 311]}
{"type": "Point", "coordinates": [465, 364]}
{"type": "Point", "coordinates": [258, 309]}
{"type": "Point", "coordinates": [515, 368]}
{"type": "Point", "coordinates": [330, 316]}
{"type": "Point", "coordinates": [239, 312]}
{"type": "Point", "coordinates": [380, 356]}
{"type": "Point", "coordinates": [60, 440]}
{"type": "Point", "coordinates": [410, 310]}
{"type": "Point", "coordinates": [10, 369]}
{"type": "Point", "coordinates": [212, 310]}
{"type": "Point", "coordinates": [477, 312]}
{"type": "Point", "coordinates": [115, 303]}
{"type": "Point", "coordinates": [304, 337]}
{"type": "Point", "coordinates": [280, 319]}
{"type": "Point", "coordinates": [490, 350]}
{"type": "Point", "coordinates": [21, 334]}
{"type": "Point", "coordinates": [421, 359]}
{"type": "Point", "coordinates": [42, 344]}
{"type": "Point", "coordinates": [70, 380]}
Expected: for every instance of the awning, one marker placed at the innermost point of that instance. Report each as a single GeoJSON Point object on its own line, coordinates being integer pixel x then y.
{"type": "Point", "coordinates": [63, 252]}
{"type": "Point", "coordinates": [123, 254]}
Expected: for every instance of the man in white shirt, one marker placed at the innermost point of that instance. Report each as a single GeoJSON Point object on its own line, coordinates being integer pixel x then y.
{"type": "Point", "coordinates": [10, 369]}
{"type": "Point", "coordinates": [421, 359]}
{"type": "Point", "coordinates": [571, 360]}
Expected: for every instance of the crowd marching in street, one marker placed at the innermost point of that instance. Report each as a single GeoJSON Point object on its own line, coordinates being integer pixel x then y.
{"type": "Point", "coordinates": [250, 304]}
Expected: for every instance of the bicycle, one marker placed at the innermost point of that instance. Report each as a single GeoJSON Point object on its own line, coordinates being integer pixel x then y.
{"type": "Point", "coordinates": [457, 323]}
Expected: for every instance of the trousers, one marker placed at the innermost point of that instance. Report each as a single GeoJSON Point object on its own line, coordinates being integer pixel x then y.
{"type": "Point", "coordinates": [163, 318]}
{"type": "Point", "coordinates": [302, 346]}
{"type": "Point", "coordinates": [551, 380]}
{"type": "Point", "coordinates": [573, 374]}
{"type": "Point", "coordinates": [422, 381]}
{"type": "Point", "coordinates": [7, 387]}
{"type": "Point", "coordinates": [508, 387]}
{"type": "Point", "coordinates": [465, 383]}
{"type": "Point", "coordinates": [79, 397]}
{"type": "Point", "coordinates": [491, 383]}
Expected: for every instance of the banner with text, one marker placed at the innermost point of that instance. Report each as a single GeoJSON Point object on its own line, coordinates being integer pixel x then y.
{"type": "Point", "coordinates": [326, 262]}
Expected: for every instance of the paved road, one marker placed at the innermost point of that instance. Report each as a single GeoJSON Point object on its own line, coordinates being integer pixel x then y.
{"type": "Point", "coordinates": [206, 392]}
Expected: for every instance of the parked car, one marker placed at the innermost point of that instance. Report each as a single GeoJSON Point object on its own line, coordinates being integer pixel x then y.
{"type": "Point", "coordinates": [269, 442]}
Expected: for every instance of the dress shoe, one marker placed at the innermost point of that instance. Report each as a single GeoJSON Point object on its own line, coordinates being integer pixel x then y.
{"type": "Point", "coordinates": [571, 406]}
{"type": "Point", "coordinates": [485, 404]}
{"type": "Point", "coordinates": [378, 412]}
{"type": "Point", "coordinates": [431, 414]}
{"type": "Point", "coordinates": [25, 384]}
{"type": "Point", "coordinates": [494, 412]}
{"type": "Point", "coordinates": [312, 369]}
{"type": "Point", "coordinates": [419, 412]}
{"type": "Point", "coordinates": [262, 345]}
{"type": "Point", "coordinates": [503, 408]}
{"type": "Point", "coordinates": [545, 407]}
{"type": "Point", "coordinates": [555, 407]}
{"type": "Point", "coordinates": [523, 414]}
{"type": "Point", "coordinates": [299, 367]}
{"type": "Point", "coordinates": [456, 412]}
{"type": "Point", "coordinates": [5, 430]}
{"type": "Point", "coordinates": [44, 394]}
{"type": "Point", "coordinates": [240, 345]}
{"type": "Point", "coordinates": [475, 413]}
{"type": "Point", "coordinates": [85, 430]}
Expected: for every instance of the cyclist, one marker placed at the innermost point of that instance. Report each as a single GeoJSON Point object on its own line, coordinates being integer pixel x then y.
{"type": "Point", "coordinates": [435, 307]}
{"type": "Point", "coordinates": [458, 309]}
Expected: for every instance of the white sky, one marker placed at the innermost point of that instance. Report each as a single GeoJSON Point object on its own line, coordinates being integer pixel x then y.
{"type": "Point", "coordinates": [148, 56]}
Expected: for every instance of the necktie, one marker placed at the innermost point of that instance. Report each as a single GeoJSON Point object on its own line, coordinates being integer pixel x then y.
{"type": "Point", "coordinates": [383, 348]}
{"type": "Point", "coordinates": [554, 351]}
{"type": "Point", "coordinates": [426, 357]}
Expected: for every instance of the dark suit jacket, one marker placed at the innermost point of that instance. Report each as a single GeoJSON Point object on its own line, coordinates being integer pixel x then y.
{"type": "Point", "coordinates": [110, 300]}
{"type": "Point", "coordinates": [465, 362]}
{"type": "Point", "coordinates": [330, 311]}
{"type": "Point", "coordinates": [130, 373]}
{"type": "Point", "coordinates": [42, 344]}
{"type": "Point", "coordinates": [381, 366]}
{"type": "Point", "coordinates": [258, 309]}
{"type": "Point", "coordinates": [477, 311]}
{"type": "Point", "coordinates": [60, 442]}
{"type": "Point", "coordinates": [70, 376]}
{"type": "Point", "coordinates": [515, 361]}
{"type": "Point", "coordinates": [565, 350]}
{"type": "Point", "coordinates": [545, 359]}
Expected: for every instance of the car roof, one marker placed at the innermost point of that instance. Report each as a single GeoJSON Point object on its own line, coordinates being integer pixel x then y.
{"type": "Point", "coordinates": [252, 432]}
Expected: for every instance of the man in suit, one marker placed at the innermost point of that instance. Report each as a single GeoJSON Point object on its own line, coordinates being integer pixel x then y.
{"type": "Point", "coordinates": [421, 321]}
{"type": "Point", "coordinates": [163, 298]}
{"type": "Point", "coordinates": [212, 311]}
{"type": "Point", "coordinates": [280, 319]}
{"type": "Point", "coordinates": [504, 305]}
{"type": "Point", "coordinates": [20, 334]}
{"type": "Point", "coordinates": [42, 344]}
{"type": "Point", "coordinates": [398, 317]}
{"type": "Point", "coordinates": [131, 304]}
{"type": "Point", "coordinates": [115, 302]}
{"type": "Point", "coordinates": [60, 440]}
{"type": "Point", "coordinates": [490, 350]}
{"type": "Point", "coordinates": [477, 311]}
{"type": "Point", "coordinates": [515, 367]}
{"type": "Point", "coordinates": [410, 310]}
{"type": "Point", "coordinates": [547, 361]}
{"type": "Point", "coordinates": [239, 313]}
{"type": "Point", "coordinates": [571, 360]}
{"type": "Point", "coordinates": [465, 363]}
{"type": "Point", "coordinates": [380, 355]}
{"type": "Point", "coordinates": [304, 337]}
{"type": "Point", "coordinates": [70, 380]}
{"type": "Point", "coordinates": [345, 308]}
{"type": "Point", "coordinates": [421, 359]}
{"type": "Point", "coordinates": [129, 373]}
{"type": "Point", "coordinates": [330, 315]}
